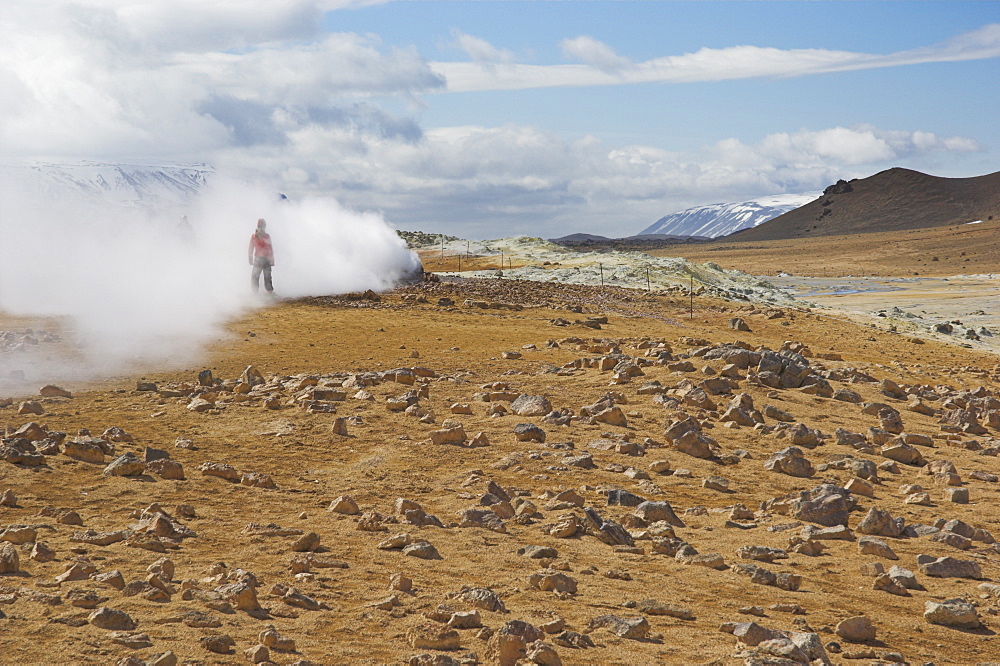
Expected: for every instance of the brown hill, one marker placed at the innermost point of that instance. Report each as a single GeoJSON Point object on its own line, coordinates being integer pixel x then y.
{"type": "Point", "coordinates": [893, 200]}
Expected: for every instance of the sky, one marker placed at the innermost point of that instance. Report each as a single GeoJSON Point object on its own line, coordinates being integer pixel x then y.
{"type": "Point", "coordinates": [486, 119]}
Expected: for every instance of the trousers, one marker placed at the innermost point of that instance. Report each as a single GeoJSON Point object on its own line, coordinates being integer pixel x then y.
{"type": "Point", "coordinates": [261, 265]}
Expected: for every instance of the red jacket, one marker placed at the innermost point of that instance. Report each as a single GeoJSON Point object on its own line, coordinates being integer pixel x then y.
{"type": "Point", "coordinates": [260, 246]}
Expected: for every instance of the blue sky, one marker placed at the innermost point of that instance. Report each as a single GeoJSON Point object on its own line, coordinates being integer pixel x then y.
{"type": "Point", "coordinates": [484, 119]}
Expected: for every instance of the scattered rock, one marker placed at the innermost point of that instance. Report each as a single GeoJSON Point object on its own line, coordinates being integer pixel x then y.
{"type": "Point", "coordinates": [531, 405]}
{"type": "Point", "coordinates": [790, 461]}
{"type": "Point", "coordinates": [955, 613]}
{"type": "Point", "coordinates": [433, 636]}
{"type": "Point", "coordinates": [10, 561]}
{"type": "Point", "coordinates": [423, 550]}
{"type": "Point", "coordinates": [111, 619]}
{"type": "Point", "coordinates": [948, 567]}
{"type": "Point", "coordinates": [871, 546]}
{"type": "Point", "coordinates": [880, 522]}
{"type": "Point", "coordinates": [222, 644]}
{"type": "Point", "coordinates": [635, 628]}
{"type": "Point", "coordinates": [858, 629]}
{"type": "Point", "coordinates": [345, 505]}
{"type": "Point", "coordinates": [529, 432]}
{"type": "Point", "coordinates": [509, 643]}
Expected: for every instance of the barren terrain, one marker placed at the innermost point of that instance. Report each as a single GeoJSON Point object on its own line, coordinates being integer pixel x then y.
{"type": "Point", "coordinates": [358, 359]}
{"type": "Point", "coordinates": [937, 251]}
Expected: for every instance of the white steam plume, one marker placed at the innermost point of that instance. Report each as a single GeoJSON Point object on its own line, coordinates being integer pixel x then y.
{"type": "Point", "coordinates": [133, 291]}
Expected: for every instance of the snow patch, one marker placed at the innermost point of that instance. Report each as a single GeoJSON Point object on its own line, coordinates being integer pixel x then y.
{"type": "Point", "coordinates": [722, 219]}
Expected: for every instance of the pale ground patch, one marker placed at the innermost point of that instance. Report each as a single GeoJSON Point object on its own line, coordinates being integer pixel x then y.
{"type": "Point", "coordinates": [909, 305]}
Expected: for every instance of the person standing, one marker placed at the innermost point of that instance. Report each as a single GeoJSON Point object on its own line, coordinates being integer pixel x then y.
{"type": "Point", "coordinates": [184, 231]}
{"type": "Point", "coordinates": [260, 254]}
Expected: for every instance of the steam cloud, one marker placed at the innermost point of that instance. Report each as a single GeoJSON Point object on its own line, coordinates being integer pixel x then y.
{"type": "Point", "coordinates": [131, 291]}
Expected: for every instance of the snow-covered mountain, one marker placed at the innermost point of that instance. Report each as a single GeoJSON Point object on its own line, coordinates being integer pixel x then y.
{"type": "Point", "coordinates": [723, 219]}
{"type": "Point", "coordinates": [144, 186]}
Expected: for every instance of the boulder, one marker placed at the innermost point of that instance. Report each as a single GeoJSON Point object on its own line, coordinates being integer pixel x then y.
{"type": "Point", "coordinates": [955, 613]}
{"type": "Point", "coordinates": [529, 432]}
{"type": "Point", "coordinates": [220, 470]}
{"type": "Point", "coordinates": [423, 550]}
{"type": "Point", "coordinates": [166, 469]}
{"type": "Point", "coordinates": [554, 581]}
{"type": "Point", "coordinates": [904, 577]}
{"type": "Point", "coordinates": [454, 435]}
{"type": "Point", "coordinates": [222, 644]}
{"type": "Point", "coordinates": [858, 629]}
{"type": "Point", "coordinates": [111, 619]}
{"type": "Point", "coordinates": [618, 497]}
{"type": "Point", "coordinates": [433, 636]}
{"type": "Point", "coordinates": [241, 594]}
{"type": "Point", "coordinates": [761, 553]}
{"type": "Point", "coordinates": [826, 504]}
{"type": "Point", "coordinates": [790, 461]}
{"type": "Point", "coordinates": [903, 453]}
{"type": "Point", "coordinates": [509, 643]}
{"type": "Point", "coordinates": [484, 518]}
{"type": "Point", "coordinates": [635, 628]}
{"type": "Point", "coordinates": [612, 416]}
{"type": "Point", "coordinates": [531, 405]}
{"type": "Point", "coordinates": [85, 449]}
{"type": "Point", "coordinates": [753, 634]}
{"type": "Point", "coordinates": [127, 464]}
{"type": "Point", "coordinates": [948, 567]}
{"type": "Point", "coordinates": [344, 505]}
{"type": "Point", "coordinates": [879, 522]}
{"type": "Point", "coordinates": [871, 546]}
{"type": "Point", "coordinates": [607, 530]}
{"type": "Point", "coordinates": [695, 444]}
{"type": "Point", "coordinates": [10, 561]}
{"type": "Point", "coordinates": [652, 512]}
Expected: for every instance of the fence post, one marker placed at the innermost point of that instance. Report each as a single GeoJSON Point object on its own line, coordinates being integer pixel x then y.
{"type": "Point", "coordinates": [691, 292]}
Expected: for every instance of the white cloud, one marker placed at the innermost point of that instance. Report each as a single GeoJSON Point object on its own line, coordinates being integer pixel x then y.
{"type": "Point", "coordinates": [480, 50]}
{"type": "Point", "coordinates": [837, 145]}
{"type": "Point", "coordinates": [490, 181]}
{"type": "Point", "coordinates": [312, 74]}
{"type": "Point", "coordinates": [261, 88]}
{"type": "Point", "coordinates": [604, 67]}
{"type": "Point", "coordinates": [185, 25]}
{"type": "Point", "coordinates": [595, 53]}
{"type": "Point", "coordinates": [99, 79]}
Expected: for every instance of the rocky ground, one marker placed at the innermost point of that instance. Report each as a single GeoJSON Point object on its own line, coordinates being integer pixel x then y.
{"type": "Point", "coordinates": [496, 471]}
{"type": "Point", "coordinates": [876, 279]}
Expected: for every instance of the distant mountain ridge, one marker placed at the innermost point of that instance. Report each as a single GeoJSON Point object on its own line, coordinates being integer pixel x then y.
{"type": "Point", "coordinates": [722, 219]}
{"type": "Point", "coordinates": [893, 200]}
{"type": "Point", "coordinates": [152, 186]}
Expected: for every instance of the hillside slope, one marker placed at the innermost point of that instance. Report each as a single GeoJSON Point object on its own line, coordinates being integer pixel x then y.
{"type": "Point", "coordinates": [893, 200]}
